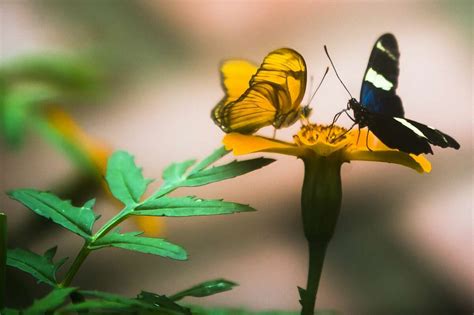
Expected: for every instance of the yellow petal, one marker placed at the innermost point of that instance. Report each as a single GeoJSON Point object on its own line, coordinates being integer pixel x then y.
{"type": "Point", "coordinates": [245, 144]}
{"type": "Point", "coordinates": [418, 163]}
{"type": "Point", "coordinates": [361, 140]}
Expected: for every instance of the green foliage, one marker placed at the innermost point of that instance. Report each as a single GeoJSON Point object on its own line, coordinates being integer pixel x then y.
{"type": "Point", "coordinates": [41, 267]}
{"type": "Point", "coordinates": [125, 179]}
{"type": "Point", "coordinates": [162, 301]}
{"type": "Point", "coordinates": [128, 185]}
{"type": "Point", "coordinates": [211, 159]}
{"type": "Point", "coordinates": [76, 219]}
{"type": "Point", "coordinates": [175, 172]}
{"type": "Point", "coordinates": [220, 173]}
{"type": "Point", "coordinates": [175, 175]}
{"type": "Point", "coordinates": [148, 245]}
{"type": "Point", "coordinates": [107, 302]}
{"type": "Point", "coordinates": [50, 302]}
{"type": "Point", "coordinates": [17, 106]}
{"type": "Point", "coordinates": [198, 310]}
{"type": "Point", "coordinates": [188, 206]}
{"type": "Point", "coordinates": [61, 71]}
{"type": "Point", "coordinates": [205, 289]}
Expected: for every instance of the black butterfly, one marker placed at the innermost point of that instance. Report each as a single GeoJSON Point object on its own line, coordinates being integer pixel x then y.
{"type": "Point", "coordinates": [380, 109]}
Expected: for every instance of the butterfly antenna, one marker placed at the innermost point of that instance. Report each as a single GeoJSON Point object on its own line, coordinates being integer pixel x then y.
{"type": "Point", "coordinates": [311, 81]}
{"type": "Point", "coordinates": [337, 75]}
{"type": "Point", "coordinates": [319, 85]}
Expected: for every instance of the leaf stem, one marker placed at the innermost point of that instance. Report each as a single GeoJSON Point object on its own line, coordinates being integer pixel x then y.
{"type": "Point", "coordinates": [83, 253]}
{"type": "Point", "coordinates": [86, 248]}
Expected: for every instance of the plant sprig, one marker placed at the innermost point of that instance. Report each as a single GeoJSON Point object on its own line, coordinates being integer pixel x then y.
{"type": "Point", "coordinates": [127, 184]}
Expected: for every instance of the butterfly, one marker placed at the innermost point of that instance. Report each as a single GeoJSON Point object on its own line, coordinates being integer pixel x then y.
{"type": "Point", "coordinates": [257, 97]}
{"type": "Point", "coordinates": [381, 110]}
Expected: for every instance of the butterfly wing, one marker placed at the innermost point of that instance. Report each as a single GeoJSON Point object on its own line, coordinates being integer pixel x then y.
{"type": "Point", "coordinates": [378, 91]}
{"type": "Point", "coordinates": [408, 135]}
{"type": "Point", "coordinates": [397, 133]}
{"type": "Point", "coordinates": [272, 97]}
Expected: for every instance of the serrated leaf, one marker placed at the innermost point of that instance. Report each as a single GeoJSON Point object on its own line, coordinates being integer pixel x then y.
{"type": "Point", "coordinates": [188, 206]}
{"type": "Point", "coordinates": [148, 245]}
{"type": "Point", "coordinates": [41, 267]}
{"type": "Point", "coordinates": [162, 301]}
{"type": "Point", "coordinates": [106, 302]}
{"type": "Point", "coordinates": [199, 310]}
{"type": "Point", "coordinates": [216, 155]}
{"type": "Point", "coordinates": [76, 219]}
{"type": "Point", "coordinates": [125, 179]}
{"type": "Point", "coordinates": [219, 173]}
{"type": "Point", "coordinates": [205, 289]}
{"type": "Point", "coordinates": [50, 302]}
{"type": "Point", "coordinates": [175, 171]}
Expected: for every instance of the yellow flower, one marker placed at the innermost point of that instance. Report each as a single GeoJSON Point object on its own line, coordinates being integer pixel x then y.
{"type": "Point", "coordinates": [323, 150]}
{"type": "Point", "coordinates": [314, 140]}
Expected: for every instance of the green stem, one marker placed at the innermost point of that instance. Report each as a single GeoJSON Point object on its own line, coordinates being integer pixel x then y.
{"type": "Point", "coordinates": [317, 252]}
{"type": "Point", "coordinates": [85, 250]}
{"type": "Point", "coordinates": [320, 205]}
{"type": "Point", "coordinates": [3, 258]}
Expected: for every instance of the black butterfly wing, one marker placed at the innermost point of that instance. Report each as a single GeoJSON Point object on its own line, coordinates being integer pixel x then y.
{"type": "Point", "coordinates": [408, 135]}
{"type": "Point", "coordinates": [435, 136]}
{"type": "Point", "coordinates": [398, 133]}
{"type": "Point", "coordinates": [378, 91]}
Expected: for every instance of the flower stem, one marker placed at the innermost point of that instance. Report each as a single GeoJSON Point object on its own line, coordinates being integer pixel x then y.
{"type": "Point", "coordinates": [320, 205]}
{"type": "Point", "coordinates": [3, 258]}
{"type": "Point", "coordinates": [317, 252]}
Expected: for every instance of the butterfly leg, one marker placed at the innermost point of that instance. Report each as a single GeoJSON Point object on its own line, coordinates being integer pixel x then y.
{"type": "Point", "coordinates": [367, 141]}
{"type": "Point", "coordinates": [274, 133]}
{"type": "Point", "coordinates": [358, 136]}
{"type": "Point", "coordinates": [345, 132]}
{"type": "Point", "coordinates": [336, 117]}
{"type": "Point", "coordinates": [350, 117]}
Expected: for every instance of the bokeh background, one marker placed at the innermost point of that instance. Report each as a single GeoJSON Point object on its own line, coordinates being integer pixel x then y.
{"type": "Point", "coordinates": [403, 243]}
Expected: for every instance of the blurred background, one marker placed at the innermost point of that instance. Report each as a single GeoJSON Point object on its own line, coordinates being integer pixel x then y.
{"type": "Point", "coordinates": [80, 79]}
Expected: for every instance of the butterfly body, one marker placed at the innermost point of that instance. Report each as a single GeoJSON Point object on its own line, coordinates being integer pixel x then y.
{"type": "Point", "coordinates": [381, 110]}
{"type": "Point", "coordinates": [269, 95]}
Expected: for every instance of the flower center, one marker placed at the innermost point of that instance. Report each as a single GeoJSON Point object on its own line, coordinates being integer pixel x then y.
{"type": "Point", "coordinates": [312, 134]}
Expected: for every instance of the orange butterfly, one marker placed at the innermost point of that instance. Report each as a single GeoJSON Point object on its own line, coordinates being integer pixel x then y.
{"type": "Point", "coordinates": [264, 96]}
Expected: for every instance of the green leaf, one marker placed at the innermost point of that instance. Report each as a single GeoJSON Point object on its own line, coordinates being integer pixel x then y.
{"type": "Point", "coordinates": [76, 219]}
{"type": "Point", "coordinates": [219, 173]}
{"type": "Point", "coordinates": [10, 311]}
{"type": "Point", "coordinates": [162, 301]}
{"type": "Point", "coordinates": [205, 289]}
{"type": "Point", "coordinates": [216, 155]}
{"type": "Point", "coordinates": [41, 267]}
{"type": "Point", "coordinates": [199, 310]}
{"type": "Point", "coordinates": [125, 179]}
{"type": "Point", "coordinates": [58, 70]}
{"type": "Point", "coordinates": [175, 172]}
{"type": "Point", "coordinates": [50, 302]}
{"type": "Point", "coordinates": [107, 301]}
{"type": "Point", "coordinates": [16, 108]}
{"type": "Point", "coordinates": [187, 206]}
{"type": "Point", "coordinates": [148, 245]}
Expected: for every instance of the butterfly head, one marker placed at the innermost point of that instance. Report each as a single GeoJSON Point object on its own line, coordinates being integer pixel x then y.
{"type": "Point", "coordinates": [306, 111]}
{"type": "Point", "coordinates": [352, 103]}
